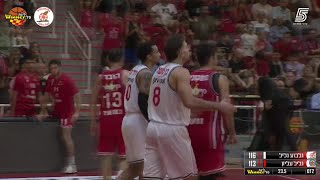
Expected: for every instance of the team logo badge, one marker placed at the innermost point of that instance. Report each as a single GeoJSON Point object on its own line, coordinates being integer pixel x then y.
{"type": "Point", "coordinates": [112, 87]}
{"type": "Point", "coordinates": [311, 154]}
{"type": "Point", "coordinates": [43, 16]}
{"type": "Point", "coordinates": [17, 16]}
{"type": "Point", "coordinates": [196, 90]}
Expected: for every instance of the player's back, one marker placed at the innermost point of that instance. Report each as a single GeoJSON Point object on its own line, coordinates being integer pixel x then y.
{"type": "Point", "coordinates": [205, 122]}
{"type": "Point", "coordinates": [112, 93]}
{"type": "Point", "coordinates": [132, 91]}
{"type": "Point", "coordinates": [164, 104]}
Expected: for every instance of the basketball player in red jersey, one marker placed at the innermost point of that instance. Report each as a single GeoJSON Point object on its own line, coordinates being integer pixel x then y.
{"type": "Point", "coordinates": [168, 146]}
{"type": "Point", "coordinates": [114, 31]}
{"type": "Point", "coordinates": [136, 119]}
{"type": "Point", "coordinates": [109, 92]}
{"type": "Point", "coordinates": [206, 128]}
{"type": "Point", "coordinates": [66, 107]}
{"type": "Point", "coordinates": [26, 90]}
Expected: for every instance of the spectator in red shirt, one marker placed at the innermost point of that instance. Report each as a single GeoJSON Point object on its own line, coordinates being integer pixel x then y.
{"type": "Point", "coordinates": [26, 90]}
{"type": "Point", "coordinates": [157, 33]}
{"type": "Point", "coordinates": [311, 45]}
{"type": "Point", "coordinates": [242, 13]}
{"type": "Point", "coordinates": [263, 44]}
{"type": "Point", "coordinates": [114, 32]}
{"type": "Point", "coordinates": [262, 67]}
{"type": "Point", "coordinates": [228, 20]}
{"type": "Point", "coordinates": [86, 21]}
{"type": "Point", "coordinates": [66, 100]}
{"type": "Point", "coordinates": [2, 5]}
{"type": "Point", "coordinates": [286, 45]}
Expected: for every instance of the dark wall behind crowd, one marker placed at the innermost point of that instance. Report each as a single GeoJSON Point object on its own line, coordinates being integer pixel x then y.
{"type": "Point", "coordinates": [29, 146]}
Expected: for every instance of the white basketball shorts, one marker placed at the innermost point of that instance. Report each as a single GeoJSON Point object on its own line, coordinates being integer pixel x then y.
{"type": "Point", "coordinates": [134, 127]}
{"type": "Point", "coordinates": [168, 152]}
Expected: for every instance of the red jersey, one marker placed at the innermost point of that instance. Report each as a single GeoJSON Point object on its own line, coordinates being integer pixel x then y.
{"type": "Point", "coordinates": [27, 87]}
{"type": "Point", "coordinates": [113, 36]}
{"type": "Point", "coordinates": [86, 18]}
{"type": "Point", "coordinates": [206, 128]}
{"type": "Point", "coordinates": [2, 4]}
{"type": "Point", "coordinates": [286, 47]}
{"type": "Point", "coordinates": [112, 94]}
{"type": "Point", "coordinates": [157, 35]}
{"type": "Point", "coordinates": [62, 89]}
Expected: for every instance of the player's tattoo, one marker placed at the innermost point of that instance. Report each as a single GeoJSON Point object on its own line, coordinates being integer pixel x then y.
{"type": "Point", "coordinates": [147, 82]}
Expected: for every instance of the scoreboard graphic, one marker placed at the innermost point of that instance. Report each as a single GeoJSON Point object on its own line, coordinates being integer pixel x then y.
{"type": "Point", "coordinates": [280, 163]}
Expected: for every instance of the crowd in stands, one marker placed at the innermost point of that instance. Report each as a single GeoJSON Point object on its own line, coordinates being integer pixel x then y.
{"type": "Point", "coordinates": [251, 38]}
{"type": "Point", "coordinates": [16, 46]}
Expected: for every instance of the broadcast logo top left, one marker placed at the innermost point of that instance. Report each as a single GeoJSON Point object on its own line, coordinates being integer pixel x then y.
{"type": "Point", "coordinates": [17, 16]}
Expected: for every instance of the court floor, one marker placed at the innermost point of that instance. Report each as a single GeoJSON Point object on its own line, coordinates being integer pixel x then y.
{"type": "Point", "coordinates": [229, 174]}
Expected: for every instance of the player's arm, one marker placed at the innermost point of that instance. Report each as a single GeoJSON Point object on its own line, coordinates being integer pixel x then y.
{"type": "Point", "coordinates": [144, 80]}
{"type": "Point", "coordinates": [225, 96]}
{"type": "Point", "coordinates": [125, 75]}
{"type": "Point", "coordinates": [77, 101]}
{"type": "Point", "coordinates": [181, 78]}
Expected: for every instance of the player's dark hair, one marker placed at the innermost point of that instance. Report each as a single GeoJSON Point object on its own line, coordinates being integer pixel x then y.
{"type": "Point", "coordinates": [204, 52]}
{"type": "Point", "coordinates": [115, 55]}
{"type": "Point", "coordinates": [173, 46]}
{"type": "Point", "coordinates": [22, 61]}
{"type": "Point", "coordinates": [144, 50]}
{"type": "Point", "coordinates": [55, 62]}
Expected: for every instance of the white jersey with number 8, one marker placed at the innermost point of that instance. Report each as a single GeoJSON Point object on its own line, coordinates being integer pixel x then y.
{"type": "Point", "coordinates": [164, 104]}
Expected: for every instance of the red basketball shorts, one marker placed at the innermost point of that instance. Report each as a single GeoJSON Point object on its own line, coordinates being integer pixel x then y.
{"type": "Point", "coordinates": [110, 137]}
{"type": "Point", "coordinates": [209, 153]}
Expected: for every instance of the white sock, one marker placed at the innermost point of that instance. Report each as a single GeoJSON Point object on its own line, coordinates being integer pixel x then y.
{"type": "Point", "coordinates": [71, 160]}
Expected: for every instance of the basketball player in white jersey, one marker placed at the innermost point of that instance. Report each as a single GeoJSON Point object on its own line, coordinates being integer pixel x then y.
{"type": "Point", "coordinates": [135, 122]}
{"type": "Point", "coordinates": [168, 146]}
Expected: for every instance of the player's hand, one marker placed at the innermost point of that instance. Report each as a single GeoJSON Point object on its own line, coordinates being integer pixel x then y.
{"type": "Point", "coordinates": [232, 139]}
{"type": "Point", "coordinates": [227, 107]}
{"type": "Point", "coordinates": [93, 128]}
{"type": "Point", "coordinates": [75, 116]}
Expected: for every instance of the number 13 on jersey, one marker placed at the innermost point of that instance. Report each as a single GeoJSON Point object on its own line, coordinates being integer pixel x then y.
{"type": "Point", "coordinates": [113, 100]}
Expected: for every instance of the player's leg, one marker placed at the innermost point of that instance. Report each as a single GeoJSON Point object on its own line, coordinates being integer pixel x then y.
{"type": "Point", "coordinates": [211, 161]}
{"type": "Point", "coordinates": [66, 126]}
{"type": "Point", "coordinates": [119, 143]}
{"type": "Point", "coordinates": [106, 147]}
{"type": "Point", "coordinates": [153, 164]}
{"type": "Point", "coordinates": [134, 134]}
{"type": "Point", "coordinates": [106, 167]}
{"type": "Point", "coordinates": [176, 152]}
